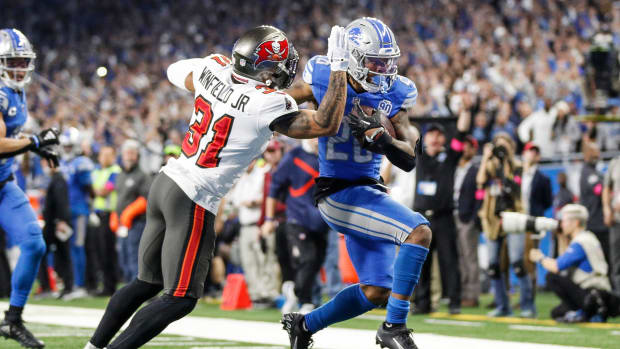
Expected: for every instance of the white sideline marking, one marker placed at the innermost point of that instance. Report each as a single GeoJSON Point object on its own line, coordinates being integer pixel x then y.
{"type": "Point", "coordinates": [266, 332]}
{"type": "Point", "coordinates": [615, 333]}
{"type": "Point", "coordinates": [541, 328]}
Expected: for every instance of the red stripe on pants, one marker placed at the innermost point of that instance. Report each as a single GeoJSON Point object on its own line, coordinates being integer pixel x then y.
{"type": "Point", "coordinates": [190, 252]}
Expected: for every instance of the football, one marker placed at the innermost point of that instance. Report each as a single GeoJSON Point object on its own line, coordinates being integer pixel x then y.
{"type": "Point", "coordinates": [387, 124]}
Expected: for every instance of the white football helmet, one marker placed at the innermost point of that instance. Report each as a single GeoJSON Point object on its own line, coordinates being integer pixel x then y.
{"type": "Point", "coordinates": [374, 53]}
{"type": "Point", "coordinates": [16, 59]}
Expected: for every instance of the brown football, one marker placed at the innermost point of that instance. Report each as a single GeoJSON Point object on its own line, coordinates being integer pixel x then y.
{"type": "Point", "coordinates": [387, 124]}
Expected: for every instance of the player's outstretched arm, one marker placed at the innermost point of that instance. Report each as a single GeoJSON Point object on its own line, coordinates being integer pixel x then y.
{"type": "Point", "coordinates": [325, 121]}
{"type": "Point", "coordinates": [10, 146]}
{"type": "Point", "coordinates": [39, 144]}
{"type": "Point", "coordinates": [180, 73]}
{"type": "Point", "coordinates": [301, 92]}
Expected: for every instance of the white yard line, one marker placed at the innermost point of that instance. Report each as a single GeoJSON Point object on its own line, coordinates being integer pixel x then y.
{"type": "Point", "coordinates": [266, 332]}
{"type": "Point", "coordinates": [542, 328]}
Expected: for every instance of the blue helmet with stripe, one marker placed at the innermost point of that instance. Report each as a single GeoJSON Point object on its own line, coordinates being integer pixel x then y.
{"type": "Point", "coordinates": [374, 52]}
{"type": "Point", "coordinates": [16, 58]}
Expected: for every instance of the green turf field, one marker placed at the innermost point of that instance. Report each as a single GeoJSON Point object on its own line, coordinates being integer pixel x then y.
{"type": "Point", "coordinates": [58, 337]}
{"type": "Point", "coordinates": [472, 323]}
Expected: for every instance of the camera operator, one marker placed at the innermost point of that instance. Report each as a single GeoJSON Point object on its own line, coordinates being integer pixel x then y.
{"type": "Point", "coordinates": [584, 292]}
{"type": "Point", "coordinates": [499, 176]}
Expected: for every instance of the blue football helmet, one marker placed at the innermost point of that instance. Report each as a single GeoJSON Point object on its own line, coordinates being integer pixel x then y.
{"type": "Point", "coordinates": [16, 59]}
{"type": "Point", "coordinates": [374, 52]}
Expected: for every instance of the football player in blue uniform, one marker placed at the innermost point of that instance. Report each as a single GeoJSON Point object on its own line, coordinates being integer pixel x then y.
{"type": "Point", "coordinates": [17, 218]}
{"type": "Point", "coordinates": [77, 170]}
{"type": "Point", "coordinates": [352, 199]}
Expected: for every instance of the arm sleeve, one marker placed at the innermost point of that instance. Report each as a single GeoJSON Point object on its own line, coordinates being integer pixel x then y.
{"type": "Point", "coordinates": [132, 211]}
{"type": "Point", "coordinates": [573, 256]}
{"type": "Point", "coordinates": [178, 71]}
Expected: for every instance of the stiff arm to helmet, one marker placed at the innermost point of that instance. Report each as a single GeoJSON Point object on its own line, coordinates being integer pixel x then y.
{"type": "Point", "coordinates": [304, 123]}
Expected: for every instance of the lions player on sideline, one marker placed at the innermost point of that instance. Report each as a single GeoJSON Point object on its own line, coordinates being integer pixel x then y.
{"type": "Point", "coordinates": [17, 218]}
{"type": "Point", "coordinates": [237, 107]}
{"type": "Point", "coordinates": [353, 201]}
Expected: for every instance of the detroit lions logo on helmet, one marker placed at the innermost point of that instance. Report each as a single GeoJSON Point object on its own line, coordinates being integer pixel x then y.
{"type": "Point", "coordinates": [271, 51]}
{"type": "Point", "coordinates": [356, 35]}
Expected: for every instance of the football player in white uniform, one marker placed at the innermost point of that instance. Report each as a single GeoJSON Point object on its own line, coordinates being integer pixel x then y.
{"type": "Point", "coordinates": [237, 107]}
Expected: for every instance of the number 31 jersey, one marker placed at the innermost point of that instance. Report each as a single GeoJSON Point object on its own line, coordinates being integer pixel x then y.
{"type": "Point", "coordinates": [230, 127]}
{"type": "Point", "coordinates": [341, 156]}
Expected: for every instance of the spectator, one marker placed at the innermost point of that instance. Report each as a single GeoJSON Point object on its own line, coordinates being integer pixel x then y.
{"type": "Point", "coordinates": [538, 127]}
{"type": "Point", "coordinates": [434, 198]}
{"type": "Point", "coordinates": [499, 176]}
{"type": "Point", "coordinates": [132, 186]}
{"type": "Point", "coordinates": [468, 233]}
{"type": "Point", "coordinates": [104, 186]}
{"type": "Point", "coordinates": [611, 213]}
{"type": "Point", "coordinates": [590, 190]}
{"type": "Point", "coordinates": [588, 280]}
{"type": "Point", "coordinates": [247, 196]}
{"type": "Point", "coordinates": [57, 231]}
{"type": "Point", "coordinates": [306, 231]}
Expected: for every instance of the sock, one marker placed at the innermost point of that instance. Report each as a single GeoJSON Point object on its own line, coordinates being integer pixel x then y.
{"type": "Point", "coordinates": [120, 307]}
{"type": "Point", "coordinates": [407, 268]}
{"type": "Point", "coordinates": [397, 310]}
{"type": "Point", "coordinates": [14, 314]}
{"type": "Point", "coordinates": [347, 304]}
{"type": "Point", "coordinates": [152, 319]}
{"type": "Point", "coordinates": [27, 268]}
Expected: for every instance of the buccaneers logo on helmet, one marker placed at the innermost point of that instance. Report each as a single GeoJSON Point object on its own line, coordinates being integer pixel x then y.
{"type": "Point", "coordinates": [271, 51]}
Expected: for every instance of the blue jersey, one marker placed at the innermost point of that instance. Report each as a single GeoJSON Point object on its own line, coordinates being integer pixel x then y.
{"type": "Point", "coordinates": [341, 156]}
{"type": "Point", "coordinates": [77, 172]}
{"type": "Point", "coordinates": [14, 114]}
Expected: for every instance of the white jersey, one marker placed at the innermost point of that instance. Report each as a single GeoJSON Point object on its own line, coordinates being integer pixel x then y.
{"type": "Point", "coordinates": [228, 129]}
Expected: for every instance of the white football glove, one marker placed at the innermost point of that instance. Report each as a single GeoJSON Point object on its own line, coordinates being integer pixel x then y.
{"type": "Point", "coordinates": [338, 49]}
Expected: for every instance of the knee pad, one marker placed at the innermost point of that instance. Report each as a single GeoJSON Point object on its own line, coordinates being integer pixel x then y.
{"type": "Point", "coordinates": [494, 271]}
{"type": "Point", "coordinates": [519, 268]}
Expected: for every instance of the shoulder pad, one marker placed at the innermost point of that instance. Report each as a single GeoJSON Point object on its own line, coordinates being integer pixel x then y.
{"type": "Point", "coordinates": [84, 164]}
{"type": "Point", "coordinates": [315, 69]}
{"type": "Point", "coordinates": [278, 104]}
{"type": "Point", "coordinates": [406, 92]}
{"type": "Point", "coordinates": [218, 59]}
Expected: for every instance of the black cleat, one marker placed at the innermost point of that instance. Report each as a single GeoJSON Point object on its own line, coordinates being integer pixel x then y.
{"type": "Point", "coordinates": [395, 337]}
{"type": "Point", "coordinates": [18, 332]}
{"type": "Point", "coordinates": [293, 324]}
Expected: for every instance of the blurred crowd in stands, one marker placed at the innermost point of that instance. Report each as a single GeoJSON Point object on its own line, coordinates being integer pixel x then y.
{"type": "Point", "coordinates": [515, 69]}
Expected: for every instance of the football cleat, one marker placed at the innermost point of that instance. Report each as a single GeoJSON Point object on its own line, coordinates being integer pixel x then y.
{"type": "Point", "coordinates": [300, 337]}
{"type": "Point", "coordinates": [18, 332]}
{"type": "Point", "coordinates": [395, 337]}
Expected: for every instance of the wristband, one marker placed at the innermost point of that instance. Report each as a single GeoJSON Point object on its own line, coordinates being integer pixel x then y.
{"type": "Point", "coordinates": [35, 141]}
{"type": "Point", "coordinates": [269, 219]}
